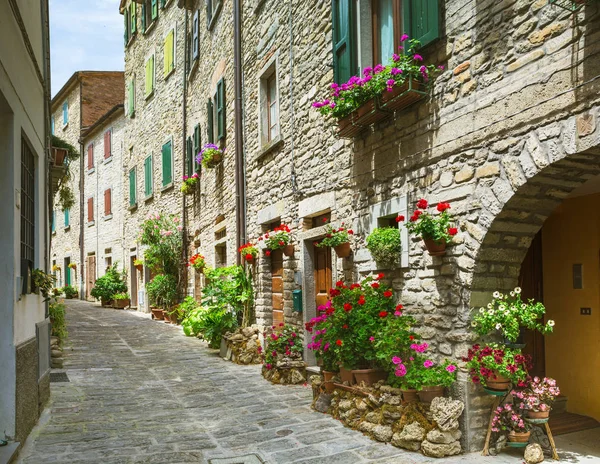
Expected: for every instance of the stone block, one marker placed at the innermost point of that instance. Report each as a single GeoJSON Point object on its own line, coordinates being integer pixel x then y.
{"type": "Point", "coordinates": [524, 60]}
{"type": "Point", "coordinates": [464, 175]}
{"type": "Point", "coordinates": [488, 170]}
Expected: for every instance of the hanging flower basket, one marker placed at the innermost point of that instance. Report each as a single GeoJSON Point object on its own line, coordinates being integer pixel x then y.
{"type": "Point", "coordinates": [570, 5]}
{"type": "Point", "coordinates": [249, 252]}
{"type": "Point", "coordinates": [188, 185]}
{"type": "Point", "coordinates": [210, 156]}
{"type": "Point", "coordinates": [343, 250]}
{"type": "Point", "coordinates": [434, 229]}
{"type": "Point", "coordinates": [435, 248]}
{"type": "Point", "coordinates": [197, 262]}
{"type": "Point", "coordinates": [59, 155]}
{"type": "Point", "coordinates": [288, 250]}
{"type": "Point", "coordinates": [339, 239]}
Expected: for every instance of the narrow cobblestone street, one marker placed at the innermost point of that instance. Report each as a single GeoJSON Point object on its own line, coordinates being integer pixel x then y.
{"type": "Point", "coordinates": [142, 392]}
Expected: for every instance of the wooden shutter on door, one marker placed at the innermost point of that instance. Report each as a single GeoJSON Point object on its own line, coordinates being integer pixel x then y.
{"type": "Point", "coordinates": [323, 282]}
{"type": "Point", "coordinates": [90, 156]}
{"type": "Point", "coordinates": [277, 285]}
{"type": "Point", "coordinates": [90, 209]}
{"type": "Point", "coordinates": [107, 202]}
{"type": "Point", "coordinates": [107, 144]}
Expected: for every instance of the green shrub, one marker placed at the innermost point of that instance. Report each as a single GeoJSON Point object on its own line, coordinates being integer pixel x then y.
{"type": "Point", "coordinates": [57, 320]}
{"type": "Point", "coordinates": [210, 323]}
{"type": "Point", "coordinates": [43, 283]}
{"type": "Point", "coordinates": [385, 245]}
{"type": "Point", "coordinates": [121, 296]}
{"type": "Point", "coordinates": [57, 291]}
{"type": "Point", "coordinates": [162, 291]}
{"type": "Point", "coordinates": [111, 283]}
{"type": "Point", "coordinates": [183, 310]}
{"type": "Point", "coordinates": [70, 291]}
{"type": "Point", "coordinates": [230, 288]}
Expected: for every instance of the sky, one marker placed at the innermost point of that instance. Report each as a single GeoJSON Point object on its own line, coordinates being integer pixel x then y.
{"type": "Point", "coordinates": [85, 35]}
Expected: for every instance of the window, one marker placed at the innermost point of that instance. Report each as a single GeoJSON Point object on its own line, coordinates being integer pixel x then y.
{"type": "Point", "coordinates": [127, 25]}
{"type": "Point", "coordinates": [108, 144]}
{"type": "Point", "coordinates": [169, 53]}
{"type": "Point", "coordinates": [108, 202]}
{"type": "Point", "coordinates": [131, 97]}
{"type": "Point", "coordinates": [148, 177]}
{"type": "Point", "coordinates": [210, 131]}
{"type": "Point", "coordinates": [163, 3]}
{"type": "Point", "coordinates": [132, 188]}
{"type": "Point", "coordinates": [386, 29]}
{"type": "Point", "coordinates": [149, 88]}
{"type": "Point", "coordinates": [221, 255]}
{"type": "Point", "coordinates": [90, 156]}
{"type": "Point", "coordinates": [189, 156]}
{"type": "Point", "coordinates": [90, 210]}
{"type": "Point", "coordinates": [65, 110]}
{"type": "Point", "coordinates": [212, 10]}
{"type": "Point", "coordinates": [269, 106]}
{"type": "Point", "coordinates": [149, 13]}
{"type": "Point", "coordinates": [218, 112]}
{"type": "Point", "coordinates": [197, 145]}
{"type": "Point", "coordinates": [67, 219]}
{"type": "Point", "coordinates": [344, 50]}
{"type": "Point", "coordinates": [167, 164]}
{"type": "Point", "coordinates": [195, 36]}
{"type": "Point", "coordinates": [52, 125]}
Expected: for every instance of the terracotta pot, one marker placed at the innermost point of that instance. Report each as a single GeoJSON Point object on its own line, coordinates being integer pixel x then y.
{"type": "Point", "coordinates": [434, 248]}
{"type": "Point", "coordinates": [538, 414]}
{"type": "Point", "coordinates": [215, 161]}
{"type": "Point", "coordinates": [121, 304]}
{"type": "Point", "coordinates": [249, 260]}
{"type": "Point", "coordinates": [139, 267]}
{"type": "Point", "coordinates": [158, 314]}
{"type": "Point", "coordinates": [288, 250]}
{"type": "Point", "coordinates": [106, 303]}
{"type": "Point", "coordinates": [328, 381]}
{"type": "Point", "coordinates": [368, 376]}
{"type": "Point", "coordinates": [499, 383]}
{"type": "Point", "coordinates": [427, 394]}
{"type": "Point", "coordinates": [167, 317]}
{"type": "Point", "coordinates": [59, 155]}
{"type": "Point", "coordinates": [346, 375]}
{"type": "Point", "coordinates": [343, 250]}
{"type": "Point", "coordinates": [409, 395]}
{"type": "Point", "coordinates": [518, 437]}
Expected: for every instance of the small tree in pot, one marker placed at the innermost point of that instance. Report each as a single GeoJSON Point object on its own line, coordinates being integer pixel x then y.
{"type": "Point", "coordinates": [108, 285]}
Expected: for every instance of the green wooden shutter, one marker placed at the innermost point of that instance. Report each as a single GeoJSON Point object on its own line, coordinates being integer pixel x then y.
{"type": "Point", "coordinates": [132, 189]}
{"type": "Point", "coordinates": [53, 221]}
{"type": "Point", "coordinates": [67, 275]}
{"type": "Point", "coordinates": [149, 87]}
{"type": "Point", "coordinates": [167, 164]}
{"type": "Point", "coordinates": [144, 17]}
{"type": "Point", "coordinates": [209, 122]}
{"type": "Point", "coordinates": [163, 3]}
{"type": "Point", "coordinates": [197, 143]}
{"type": "Point", "coordinates": [208, 12]}
{"type": "Point", "coordinates": [133, 18]}
{"type": "Point", "coordinates": [221, 110]}
{"type": "Point", "coordinates": [422, 20]}
{"type": "Point", "coordinates": [189, 157]}
{"type": "Point", "coordinates": [126, 19]}
{"type": "Point", "coordinates": [344, 42]}
{"type": "Point", "coordinates": [148, 178]}
{"type": "Point", "coordinates": [131, 98]}
{"type": "Point", "coordinates": [154, 9]}
{"type": "Point", "coordinates": [196, 36]}
{"type": "Point", "coordinates": [67, 217]}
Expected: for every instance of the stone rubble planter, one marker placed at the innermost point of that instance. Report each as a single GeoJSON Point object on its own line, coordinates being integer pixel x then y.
{"type": "Point", "coordinates": [242, 346]}
{"type": "Point", "coordinates": [286, 371]}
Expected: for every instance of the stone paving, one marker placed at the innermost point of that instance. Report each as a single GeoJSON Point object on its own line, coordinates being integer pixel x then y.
{"type": "Point", "coordinates": [142, 392]}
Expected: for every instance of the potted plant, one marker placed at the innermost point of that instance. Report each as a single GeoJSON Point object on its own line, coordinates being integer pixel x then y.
{"type": "Point", "coordinates": [55, 268]}
{"type": "Point", "coordinates": [73, 266]}
{"type": "Point", "coordinates": [434, 230]}
{"type": "Point", "coordinates": [70, 292]}
{"type": "Point", "coordinates": [111, 283]}
{"type": "Point", "coordinates": [121, 300]}
{"type": "Point", "coordinates": [385, 246]}
{"type": "Point", "coordinates": [509, 419]}
{"type": "Point", "coordinates": [43, 283]}
{"type": "Point", "coordinates": [162, 293]}
{"type": "Point", "coordinates": [249, 252]}
{"type": "Point", "coordinates": [435, 378]}
{"type": "Point", "coordinates": [139, 264]}
{"type": "Point", "coordinates": [497, 366]}
{"type": "Point", "coordinates": [338, 239]}
{"type": "Point", "coordinates": [56, 292]}
{"type": "Point", "coordinates": [537, 397]}
{"type": "Point", "coordinates": [210, 156]}
{"type": "Point", "coordinates": [188, 184]}
{"type": "Point", "coordinates": [279, 238]}
{"type": "Point", "coordinates": [507, 314]}
{"type": "Point", "coordinates": [197, 261]}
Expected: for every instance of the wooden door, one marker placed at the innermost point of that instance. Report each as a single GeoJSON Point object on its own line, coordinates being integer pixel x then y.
{"type": "Point", "coordinates": [90, 273]}
{"type": "Point", "coordinates": [531, 282]}
{"type": "Point", "coordinates": [277, 285]}
{"type": "Point", "coordinates": [134, 282]}
{"type": "Point", "coordinates": [323, 282]}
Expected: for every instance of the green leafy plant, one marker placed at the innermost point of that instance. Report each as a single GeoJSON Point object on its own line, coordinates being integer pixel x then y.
{"type": "Point", "coordinates": [230, 288]}
{"type": "Point", "coordinates": [57, 320]}
{"type": "Point", "coordinates": [44, 283]}
{"type": "Point", "coordinates": [162, 291]}
{"type": "Point", "coordinates": [283, 341]}
{"type": "Point", "coordinates": [385, 245]}
{"type": "Point", "coordinates": [111, 283]}
{"type": "Point", "coordinates": [430, 227]}
{"type": "Point", "coordinates": [163, 238]}
{"type": "Point", "coordinates": [121, 296]}
{"type": "Point", "coordinates": [209, 323]}
{"type": "Point", "coordinates": [197, 261]}
{"type": "Point", "coordinates": [210, 156]}
{"type": "Point", "coordinates": [188, 184]}
{"type": "Point", "coordinates": [66, 198]}
{"type": "Point", "coordinates": [56, 292]}
{"type": "Point", "coordinates": [335, 237]}
{"type": "Point", "coordinates": [507, 314]}
{"type": "Point", "coordinates": [70, 291]}
{"type": "Point", "coordinates": [184, 309]}
{"type": "Point", "coordinates": [138, 262]}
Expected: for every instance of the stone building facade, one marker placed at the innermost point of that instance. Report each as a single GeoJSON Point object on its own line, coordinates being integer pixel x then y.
{"type": "Point", "coordinates": [102, 196]}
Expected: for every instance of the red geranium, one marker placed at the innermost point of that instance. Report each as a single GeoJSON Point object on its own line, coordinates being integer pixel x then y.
{"type": "Point", "coordinates": [345, 326]}
{"type": "Point", "coordinates": [387, 293]}
{"type": "Point", "coordinates": [399, 218]}
{"type": "Point", "coordinates": [399, 307]}
{"type": "Point", "coordinates": [268, 252]}
{"type": "Point", "coordinates": [380, 276]}
{"type": "Point", "coordinates": [422, 203]}
{"type": "Point", "coordinates": [416, 215]}
{"type": "Point", "coordinates": [248, 257]}
{"type": "Point", "coordinates": [441, 207]}
{"type": "Point", "coordinates": [452, 231]}
{"type": "Point", "coordinates": [339, 284]}
{"type": "Point", "coordinates": [383, 314]}
{"type": "Point", "coordinates": [361, 300]}
{"type": "Point", "coordinates": [338, 342]}
{"type": "Point", "coordinates": [347, 307]}
{"type": "Point", "coordinates": [375, 285]}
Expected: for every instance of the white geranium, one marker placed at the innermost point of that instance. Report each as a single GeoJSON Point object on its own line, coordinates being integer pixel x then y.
{"type": "Point", "coordinates": [496, 294]}
{"type": "Point", "coordinates": [512, 294]}
{"type": "Point", "coordinates": [489, 305]}
{"type": "Point", "coordinates": [481, 310]}
{"type": "Point", "coordinates": [490, 311]}
{"type": "Point", "coordinates": [518, 290]}
{"type": "Point", "coordinates": [498, 326]}
{"type": "Point", "coordinates": [473, 324]}
{"type": "Point", "coordinates": [551, 323]}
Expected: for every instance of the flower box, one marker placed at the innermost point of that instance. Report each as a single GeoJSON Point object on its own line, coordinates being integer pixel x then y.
{"type": "Point", "coordinates": [570, 5]}
{"type": "Point", "coordinates": [59, 155]}
{"type": "Point", "coordinates": [403, 96]}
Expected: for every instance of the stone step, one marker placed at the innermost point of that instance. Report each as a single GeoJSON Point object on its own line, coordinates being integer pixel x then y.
{"type": "Point", "coordinates": [560, 405]}
{"type": "Point", "coordinates": [8, 452]}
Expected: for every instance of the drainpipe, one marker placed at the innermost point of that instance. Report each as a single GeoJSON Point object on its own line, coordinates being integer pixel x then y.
{"type": "Point", "coordinates": [240, 181]}
{"type": "Point", "coordinates": [185, 84]}
{"type": "Point", "coordinates": [292, 115]}
{"type": "Point", "coordinates": [81, 199]}
{"type": "Point", "coordinates": [47, 137]}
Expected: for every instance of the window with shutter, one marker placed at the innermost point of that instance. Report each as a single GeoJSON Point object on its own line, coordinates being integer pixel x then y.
{"type": "Point", "coordinates": [133, 18]}
{"type": "Point", "coordinates": [90, 153]}
{"type": "Point", "coordinates": [148, 177]}
{"type": "Point", "coordinates": [149, 76]}
{"type": "Point", "coordinates": [53, 221]}
{"type": "Point", "coordinates": [163, 3]}
{"type": "Point", "coordinates": [198, 145]}
{"type": "Point", "coordinates": [189, 157]}
{"type": "Point", "coordinates": [67, 218]}
{"type": "Point", "coordinates": [167, 164]}
{"type": "Point", "coordinates": [209, 122]}
{"type": "Point", "coordinates": [108, 144]}
{"type": "Point", "coordinates": [90, 209]}
{"type": "Point", "coordinates": [107, 202]}
{"type": "Point", "coordinates": [145, 21]}
{"type": "Point", "coordinates": [195, 36]}
{"type": "Point", "coordinates": [154, 9]}
{"type": "Point", "coordinates": [131, 98]}
{"type": "Point", "coordinates": [220, 104]}
{"type": "Point", "coordinates": [52, 125]}
{"type": "Point", "coordinates": [126, 28]}
{"type": "Point", "coordinates": [344, 49]}
{"type": "Point", "coordinates": [132, 188]}
{"type": "Point", "coordinates": [422, 20]}
{"type": "Point", "coordinates": [169, 53]}
{"type": "Point", "coordinates": [65, 110]}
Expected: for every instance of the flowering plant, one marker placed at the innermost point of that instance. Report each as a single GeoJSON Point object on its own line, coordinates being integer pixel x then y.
{"type": "Point", "coordinates": [72, 266]}
{"type": "Point", "coordinates": [507, 418]}
{"type": "Point", "coordinates": [486, 362]}
{"type": "Point", "coordinates": [210, 156]}
{"type": "Point", "coordinates": [335, 237]}
{"type": "Point", "coordinates": [431, 227]}
{"type": "Point", "coordinates": [138, 262]}
{"type": "Point", "coordinates": [197, 261]}
{"type": "Point", "coordinates": [55, 268]}
{"type": "Point", "coordinates": [162, 234]}
{"type": "Point", "coordinates": [281, 343]}
{"type": "Point", "coordinates": [188, 185]}
{"type": "Point", "coordinates": [538, 395]}
{"type": "Point", "coordinates": [385, 245]}
{"type": "Point", "coordinates": [248, 251]}
{"type": "Point", "coordinates": [277, 238]}
{"type": "Point", "coordinates": [401, 68]}
{"type": "Point", "coordinates": [507, 313]}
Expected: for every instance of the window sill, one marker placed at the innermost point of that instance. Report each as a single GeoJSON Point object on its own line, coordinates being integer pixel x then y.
{"type": "Point", "coordinates": [133, 207]}
{"type": "Point", "coordinates": [167, 187]}
{"type": "Point", "coordinates": [91, 170]}
{"type": "Point", "coordinates": [108, 160]}
{"type": "Point", "coordinates": [65, 125]}
{"type": "Point", "coordinates": [149, 96]}
{"type": "Point", "coordinates": [149, 198]}
{"type": "Point", "coordinates": [268, 147]}
{"type": "Point", "coordinates": [167, 3]}
{"type": "Point", "coordinates": [257, 5]}
{"type": "Point", "coordinates": [132, 115]}
{"type": "Point", "coordinates": [53, 232]}
{"type": "Point", "coordinates": [91, 223]}
{"type": "Point", "coordinates": [150, 27]}
{"type": "Point", "coordinates": [130, 41]}
{"type": "Point", "coordinates": [170, 73]}
{"type": "Point", "coordinates": [108, 218]}
{"type": "Point", "coordinates": [67, 229]}
{"type": "Point", "coordinates": [193, 68]}
{"type": "Point", "coordinates": [215, 16]}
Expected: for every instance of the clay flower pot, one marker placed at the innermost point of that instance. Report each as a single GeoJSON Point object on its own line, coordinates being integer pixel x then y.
{"type": "Point", "coordinates": [59, 155]}
{"type": "Point", "coordinates": [346, 375]}
{"type": "Point", "coordinates": [499, 383]}
{"type": "Point", "coordinates": [538, 414]}
{"type": "Point", "coordinates": [328, 381]}
{"type": "Point", "coordinates": [435, 248]}
{"type": "Point", "coordinates": [106, 303]}
{"type": "Point", "coordinates": [518, 437]}
{"type": "Point", "coordinates": [409, 395]}
{"type": "Point", "coordinates": [427, 394]}
{"type": "Point", "coordinates": [249, 260]}
{"type": "Point", "coordinates": [120, 304]}
{"type": "Point", "coordinates": [343, 250]}
{"type": "Point", "coordinates": [368, 376]}
{"type": "Point", "coordinates": [288, 250]}
{"type": "Point", "coordinates": [139, 267]}
{"type": "Point", "coordinates": [167, 317]}
{"type": "Point", "coordinates": [157, 314]}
